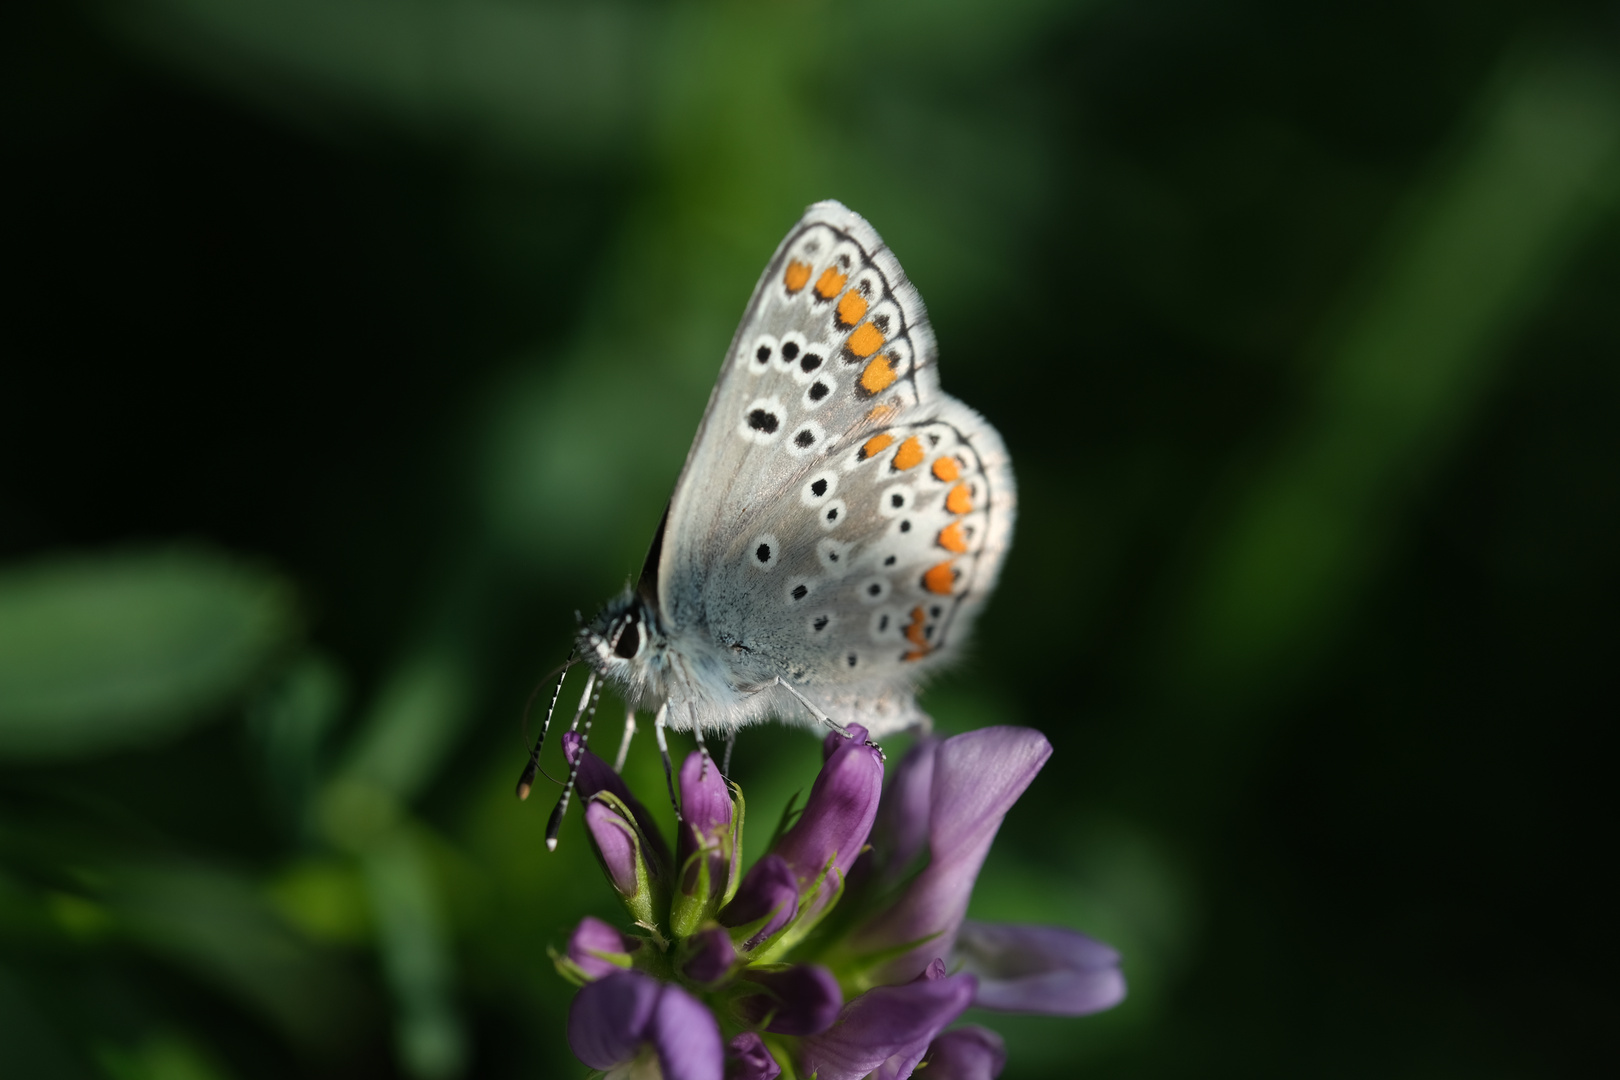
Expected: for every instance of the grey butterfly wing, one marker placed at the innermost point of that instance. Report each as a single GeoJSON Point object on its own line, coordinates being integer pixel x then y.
{"type": "Point", "coordinates": [840, 518]}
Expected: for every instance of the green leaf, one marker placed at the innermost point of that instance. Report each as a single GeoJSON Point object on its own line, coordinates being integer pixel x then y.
{"type": "Point", "coordinates": [103, 652]}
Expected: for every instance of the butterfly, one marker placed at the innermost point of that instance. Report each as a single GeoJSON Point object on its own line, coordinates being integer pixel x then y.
{"type": "Point", "coordinates": [838, 524]}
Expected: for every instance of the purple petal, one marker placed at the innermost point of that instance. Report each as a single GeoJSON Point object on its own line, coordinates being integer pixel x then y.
{"type": "Point", "coordinates": [608, 1019]}
{"type": "Point", "coordinates": [706, 818]}
{"type": "Point", "coordinates": [901, 828]}
{"type": "Point", "coordinates": [595, 775]}
{"type": "Point", "coordinates": [709, 956]}
{"type": "Point", "coordinates": [769, 889]}
{"type": "Point", "coordinates": [839, 812]}
{"type": "Point", "coordinates": [687, 1038]}
{"type": "Point", "coordinates": [976, 779]}
{"type": "Point", "coordinates": [1040, 969]}
{"type": "Point", "coordinates": [802, 1000]}
{"type": "Point", "coordinates": [747, 1059]}
{"type": "Point", "coordinates": [615, 845]}
{"type": "Point", "coordinates": [889, 1022]}
{"type": "Point", "coordinates": [968, 1053]}
{"type": "Point", "coordinates": [591, 940]}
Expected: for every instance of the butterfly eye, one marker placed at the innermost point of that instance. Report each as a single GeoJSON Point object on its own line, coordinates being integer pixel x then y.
{"type": "Point", "coordinates": [629, 642]}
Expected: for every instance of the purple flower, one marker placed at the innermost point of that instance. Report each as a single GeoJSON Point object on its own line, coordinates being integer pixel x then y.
{"type": "Point", "coordinates": [836, 1003]}
{"type": "Point", "coordinates": [1048, 970]}
{"type": "Point", "coordinates": [596, 949]}
{"type": "Point", "coordinates": [747, 1059]}
{"type": "Point", "coordinates": [799, 1000]}
{"type": "Point", "coordinates": [974, 780]}
{"type": "Point", "coordinates": [968, 1053]}
{"type": "Point", "coordinates": [617, 1019]}
{"type": "Point", "coordinates": [888, 1029]}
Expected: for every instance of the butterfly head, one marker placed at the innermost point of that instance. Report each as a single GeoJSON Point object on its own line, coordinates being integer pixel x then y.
{"type": "Point", "coordinates": [624, 643]}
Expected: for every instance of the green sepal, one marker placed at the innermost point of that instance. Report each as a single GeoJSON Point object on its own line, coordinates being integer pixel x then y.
{"type": "Point", "coordinates": [790, 815]}
{"type": "Point", "coordinates": [783, 1049]}
{"type": "Point", "coordinates": [688, 912]}
{"type": "Point", "coordinates": [734, 878]}
{"type": "Point", "coordinates": [575, 974]}
{"type": "Point", "coordinates": [854, 970]}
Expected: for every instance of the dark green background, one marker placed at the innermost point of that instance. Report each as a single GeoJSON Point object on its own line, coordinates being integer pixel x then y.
{"type": "Point", "coordinates": [350, 346]}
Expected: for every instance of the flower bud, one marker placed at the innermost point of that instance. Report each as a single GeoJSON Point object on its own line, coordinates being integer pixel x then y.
{"type": "Point", "coordinates": [767, 902]}
{"type": "Point", "coordinates": [799, 1000]}
{"type": "Point", "coordinates": [595, 949]}
{"type": "Point", "coordinates": [621, 849]}
{"type": "Point", "coordinates": [595, 775]}
{"type": "Point", "coordinates": [708, 847]}
{"type": "Point", "coordinates": [747, 1059]}
{"type": "Point", "coordinates": [838, 815]}
{"type": "Point", "coordinates": [709, 956]}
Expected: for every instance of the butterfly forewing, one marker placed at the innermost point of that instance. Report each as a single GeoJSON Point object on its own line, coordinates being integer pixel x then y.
{"type": "Point", "coordinates": [839, 516]}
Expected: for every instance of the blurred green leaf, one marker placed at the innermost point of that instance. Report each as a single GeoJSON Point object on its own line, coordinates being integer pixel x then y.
{"type": "Point", "coordinates": [103, 652]}
{"type": "Point", "coordinates": [549, 77]}
{"type": "Point", "coordinates": [1407, 368]}
{"type": "Point", "coordinates": [163, 1056]}
{"type": "Point", "coordinates": [221, 928]}
{"type": "Point", "coordinates": [416, 957]}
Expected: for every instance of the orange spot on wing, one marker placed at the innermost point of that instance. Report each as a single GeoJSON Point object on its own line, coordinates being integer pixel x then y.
{"type": "Point", "coordinates": [876, 445]}
{"type": "Point", "coordinates": [882, 412]}
{"type": "Point", "coordinates": [851, 308]}
{"type": "Point", "coordinates": [910, 454]}
{"type": "Point", "coordinates": [879, 375]}
{"type": "Point", "coordinates": [951, 538]}
{"type": "Point", "coordinates": [830, 283]}
{"type": "Point", "coordinates": [866, 340]}
{"type": "Point", "coordinates": [940, 578]}
{"type": "Point", "coordinates": [947, 469]}
{"type": "Point", "coordinates": [796, 275]}
{"type": "Point", "coordinates": [960, 500]}
{"type": "Point", "coordinates": [917, 635]}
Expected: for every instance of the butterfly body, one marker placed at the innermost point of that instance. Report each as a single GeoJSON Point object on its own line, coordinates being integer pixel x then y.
{"type": "Point", "coordinates": [839, 519]}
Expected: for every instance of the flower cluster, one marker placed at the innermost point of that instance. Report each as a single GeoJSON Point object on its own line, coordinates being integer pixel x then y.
{"type": "Point", "coordinates": [842, 953]}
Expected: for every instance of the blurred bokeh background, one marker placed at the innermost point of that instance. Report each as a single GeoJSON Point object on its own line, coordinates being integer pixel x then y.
{"type": "Point", "coordinates": [351, 346]}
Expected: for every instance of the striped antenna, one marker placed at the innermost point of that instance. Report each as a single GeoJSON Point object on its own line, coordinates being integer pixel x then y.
{"type": "Point", "coordinates": [587, 710]}
{"type": "Point", "coordinates": [525, 782]}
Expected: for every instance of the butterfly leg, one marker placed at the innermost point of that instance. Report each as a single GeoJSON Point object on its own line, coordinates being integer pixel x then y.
{"type": "Point", "coordinates": [624, 743]}
{"type": "Point", "coordinates": [659, 721]}
{"type": "Point", "coordinates": [587, 700]}
{"type": "Point", "coordinates": [825, 719]}
{"type": "Point", "coordinates": [725, 763]}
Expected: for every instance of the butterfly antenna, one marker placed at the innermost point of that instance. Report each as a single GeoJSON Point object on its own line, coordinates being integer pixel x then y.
{"type": "Point", "coordinates": [587, 710]}
{"type": "Point", "coordinates": [525, 782]}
